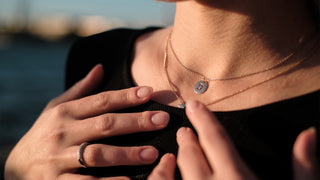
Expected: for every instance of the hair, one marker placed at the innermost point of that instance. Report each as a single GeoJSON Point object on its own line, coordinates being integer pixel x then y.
{"type": "Point", "coordinates": [314, 6]}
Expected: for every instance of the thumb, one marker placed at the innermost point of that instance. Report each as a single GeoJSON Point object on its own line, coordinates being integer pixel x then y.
{"type": "Point", "coordinates": [305, 163]}
{"type": "Point", "coordinates": [82, 88]}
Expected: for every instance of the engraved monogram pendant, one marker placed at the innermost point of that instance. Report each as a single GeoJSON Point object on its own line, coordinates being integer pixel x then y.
{"type": "Point", "coordinates": [201, 87]}
{"type": "Point", "coordinates": [182, 105]}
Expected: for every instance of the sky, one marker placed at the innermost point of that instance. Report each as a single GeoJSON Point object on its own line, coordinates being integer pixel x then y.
{"type": "Point", "coordinates": [128, 10]}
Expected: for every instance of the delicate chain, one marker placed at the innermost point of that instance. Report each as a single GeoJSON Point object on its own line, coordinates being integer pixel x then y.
{"type": "Point", "coordinates": [173, 88]}
{"type": "Point", "coordinates": [257, 84]}
{"type": "Point", "coordinates": [226, 78]}
{"type": "Point", "coordinates": [180, 98]}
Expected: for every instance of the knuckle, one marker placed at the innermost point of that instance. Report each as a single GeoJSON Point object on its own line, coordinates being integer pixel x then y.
{"type": "Point", "coordinates": [52, 159]}
{"type": "Point", "coordinates": [93, 155]}
{"type": "Point", "coordinates": [55, 101]}
{"type": "Point", "coordinates": [140, 119]}
{"type": "Point", "coordinates": [105, 123]}
{"type": "Point", "coordinates": [57, 135]}
{"type": "Point", "coordinates": [62, 109]}
{"type": "Point", "coordinates": [125, 156]}
{"type": "Point", "coordinates": [180, 160]}
{"type": "Point", "coordinates": [127, 96]}
{"type": "Point", "coordinates": [130, 96]}
{"type": "Point", "coordinates": [102, 99]}
{"type": "Point", "coordinates": [143, 119]}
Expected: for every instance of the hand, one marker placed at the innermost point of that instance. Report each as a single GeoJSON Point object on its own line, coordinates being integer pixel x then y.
{"type": "Point", "coordinates": [212, 155]}
{"type": "Point", "coordinates": [305, 163]}
{"type": "Point", "coordinates": [49, 149]}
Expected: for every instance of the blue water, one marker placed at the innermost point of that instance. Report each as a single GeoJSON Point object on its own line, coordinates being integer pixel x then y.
{"type": "Point", "coordinates": [31, 73]}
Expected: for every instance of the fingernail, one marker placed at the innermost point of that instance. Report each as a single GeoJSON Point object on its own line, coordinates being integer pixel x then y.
{"type": "Point", "coordinates": [168, 156]}
{"type": "Point", "coordinates": [312, 150]}
{"type": "Point", "coordinates": [181, 132]}
{"type": "Point", "coordinates": [312, 129]}
{"type": "Point", "coordinates": [149, 154]}
{"type": "Point", "coordinates": [192, 106]}
{"type": "Point", "coordinates": [161, 118]}
{"type": "Point", "coordinates": [144, 92]}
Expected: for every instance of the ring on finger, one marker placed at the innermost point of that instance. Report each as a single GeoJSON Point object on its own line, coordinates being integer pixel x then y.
{"type": "Point", "coordinates": [80, 154]}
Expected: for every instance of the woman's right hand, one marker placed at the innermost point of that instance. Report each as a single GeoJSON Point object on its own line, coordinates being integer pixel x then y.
{"type": "Point", "coordinates": [49, 149]}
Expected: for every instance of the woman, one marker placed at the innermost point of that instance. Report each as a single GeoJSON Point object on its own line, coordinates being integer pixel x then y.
{"type": "Point", "coordinates": [255, 64]}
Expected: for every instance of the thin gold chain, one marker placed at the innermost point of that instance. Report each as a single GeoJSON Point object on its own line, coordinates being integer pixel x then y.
{"type": "Point", "coordinates": [180, 98]}
{"type": "Point", "coordinates": [226, 78]}
{"type": "Point", "coordinates": [173, 88]}
{"type": "Point", "coordinates": [257, 84]}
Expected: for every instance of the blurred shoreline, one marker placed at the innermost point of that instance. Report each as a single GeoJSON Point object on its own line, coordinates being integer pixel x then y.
{"type": "Point", "coordinates": [61, 27]}
{"type": "Point", "coordinates": [31, 74]}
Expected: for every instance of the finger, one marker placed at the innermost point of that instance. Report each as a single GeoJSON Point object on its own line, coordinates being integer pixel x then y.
{"type": "Point", "coordinates": [305, 162]}
{"type": "Point", "coordinates": [214, 140]}
{"type": "Point", "coordinates": [82, 88]}
{"type": "Point", "coordinates": [109, 101]}
{"type": "Point", "coordinates": [191, 160]}
{"type": "Point", "coordinates": [101, 155]}
{"type": "Point", "coordinates": [165, 169]}
{"type": "Point", "coordinates": [70, 176]}
{"type": "Point", "coordinates": [112, 124]}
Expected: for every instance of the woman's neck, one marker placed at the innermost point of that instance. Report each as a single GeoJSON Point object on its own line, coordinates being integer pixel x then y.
{"type": "Point", "coordinates": [226, 38]}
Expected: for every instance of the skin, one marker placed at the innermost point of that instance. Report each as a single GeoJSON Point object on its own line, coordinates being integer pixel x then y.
{"type": "Point", "coordinates": [227, 27]}
{"type": "Point", "coordinates": [223, 38]}
{"type": "Point", "coordinates": [212, 155]}
{"type": "Point", "coordinates": [49, 149]}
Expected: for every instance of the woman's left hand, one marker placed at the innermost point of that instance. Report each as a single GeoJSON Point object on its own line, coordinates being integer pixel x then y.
{"type": "Point", "coordinates": [212, 155]}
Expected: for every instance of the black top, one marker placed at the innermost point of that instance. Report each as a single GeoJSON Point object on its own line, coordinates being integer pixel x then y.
{"type": "Point", "coordinates": [263, 136]}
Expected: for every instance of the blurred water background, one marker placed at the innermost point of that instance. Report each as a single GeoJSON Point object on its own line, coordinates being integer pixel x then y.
{"type": "Point", "coordinates": [35, 36]}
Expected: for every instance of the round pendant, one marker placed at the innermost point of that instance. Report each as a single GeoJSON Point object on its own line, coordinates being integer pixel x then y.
{"type": "Point", "coordinates": [201, 87]}
{"type": "Point", "coordinates": [182, 105]}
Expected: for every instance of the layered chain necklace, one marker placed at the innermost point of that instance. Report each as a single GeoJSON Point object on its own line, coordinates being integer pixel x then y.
{"type": "Point", "coordinates": [202, 85]}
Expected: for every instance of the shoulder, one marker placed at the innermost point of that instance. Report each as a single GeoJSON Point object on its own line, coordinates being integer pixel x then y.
{"type": "Point", "coordinates": [109, 38]}
{"type": "Point", "coordinates": [102, 48]}
{"type": "Point", "coordinates": [96, 45]}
